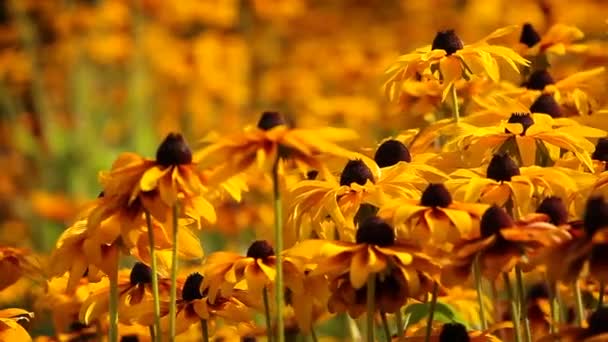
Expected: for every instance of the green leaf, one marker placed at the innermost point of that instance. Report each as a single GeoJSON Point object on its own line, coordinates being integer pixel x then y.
{"type": "Point", "coordinates": [444, 313]}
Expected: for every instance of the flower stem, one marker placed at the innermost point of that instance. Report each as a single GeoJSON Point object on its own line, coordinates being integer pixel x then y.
{"type": "Point", "coordinates": [580, 311]}
{"type": "Point", "coordinates": [523, 306]}
{"type": "Point", "coordinates": [173, 291]}
{"type": "Point", "coordinates": [600, 299]}
{"type": "Point", "coordinates": [152, 333]}
{"type": "Point", "coordinates": [400, 325]}
{"type": "Point", "coordinates": [387, 329]}
{"type": "Point", "coordinates": [554, 305]}
{"type": "Point", "coordinates": [267, 314]}
{"type": "Point", "coordinates": [456, 111]}
{"type": "Point", "coordinates": [479, 288]}
{"type": "Point", "coordinates": [313, 334]}
{"type": "Point", "coordinates": [154, 275]}
{"type": "Point", "coordinates": [514, 313]}
{"type": "Point", "coordinates": [278, 241]}
{"type": "Point", "coordinates": [429, 322]}
{"type": "Point", "coordinates": [205, 330]}
{"type": "Point", "coordinates": [371, 308]}
{"type": "Point", "coordinates": [113, 334]}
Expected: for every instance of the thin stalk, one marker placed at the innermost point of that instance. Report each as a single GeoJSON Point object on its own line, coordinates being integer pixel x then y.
{"type": "Point", "coordinates": [406, 324]}
{"type": "Point", "coordinates": [580, 311]}
{"type": "Point", "coordinates": [479, 288]}
{"type": "Point", "coordinates": [113, 335]}
{"type": "Point", "coordinates": [554, 304]}
{"type": "Point", "coordinates": [204, 330]}
{"type": "Point", "coordinates": [267, 314]}
{"type": "Point", "coordinates": [387, 329]}
{"type": "Point", "coordinates": [514, 315]}
{"type": "Point", "coordinates": [371, 307]}
{"type": "Point", "coordinates": [155, 294]}
{"type": "Point", "coordinates": [313, 334]}
{"type": "Point", "coordinates": [400, 325]}
{"type": "Point", "coordinates": [278, 241]}
{"type": "Point", "coordinates": [523, 305]}
{"type": "Point", "coordinates": [600, 299]}
{"type": "Point", "coordinates": [152, 333]}
{"type": "Point", "coordinates": [429, 322]}
{"type": "Point", "coordinates": [173, 291]}
{"type": "Point", "coordinates": [456, 111]}
{"type": "Point", "coordinates": [353, 329]}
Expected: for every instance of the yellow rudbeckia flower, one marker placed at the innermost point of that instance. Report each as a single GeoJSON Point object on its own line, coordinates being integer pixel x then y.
{"type": "Point", "coordinates": [449, 60]}
{"type": "Point", "coordinates": [434, 219]}
{"type": "Point", "coordinates": [10, 327]}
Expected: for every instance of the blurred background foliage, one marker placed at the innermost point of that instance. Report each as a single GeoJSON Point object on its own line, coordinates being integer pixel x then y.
{"type": "Point", "coordinates": [81, 81]}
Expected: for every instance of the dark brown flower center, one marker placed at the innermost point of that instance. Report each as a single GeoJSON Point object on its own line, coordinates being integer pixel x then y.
{"type": "Point", "coordinates": [269, 120]}
{"type": "Point", "coordinates": [436, 195]}
{"type": "Point", "coordinates": [529, 36]}
{"type": "Point", "coordinates": [601, 150]}
{"type": "Point", "coordinates": [192, 287]}
{"type": "Point", "coordinates": [260, 249]}
{"type": "Point", "coordinates": [173, 151]}
{"type": "Point", "coordinates": [375, 231]}
{"type": "Point", "coordinates": [129, 338]}
{"type": "Point", "coordinates": [77, 326]}
{"type": "Point", "coordinates": [249, 339]}
{"type": "Point", "coordinates": [538, 291]}
{"type": "Point", "coordinates": [502, 168]}
{"type": "Point", "coordinates": [454, 332]}
{"type": "Point", "coordinates": [555, 208]}
{"type": "Point", "coordinates": [391, 152]}
{"type": "Point", "coordinates": [596, 215]}
{"type": "Point", "coordinates": [521, 118]}
{"type": "Point", "coordinates": [356, 171]}
{"type": "Point", "coordinates": [493, 220]}
{"type": "Point", "coordinates": [598, 322]}
{"type": "Point", "coordinates": [140, 274]}
{"type": "Point", "coordinates": [539, 79]}
{"type": "Point", "coordinates": [448, 41]}
{"type": "Point", "coordinates": [546, 104]}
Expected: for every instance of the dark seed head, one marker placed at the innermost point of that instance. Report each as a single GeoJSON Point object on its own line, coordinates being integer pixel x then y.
{"type": "Point", "coordinates": [249, 339]}
{"type": "Point", "coordinates": [375, 231]}
{"type": "Point", "coordinates": [598, 322]}
{"type": "Point", "coordinates": [391, 152]}
{"type": "Point", "coordinates": [529, 36]}
{"type": "Point", "coordinates": [192, 287]}
{"type": "Point", "coordinates": [173, 151]}
{"type": "Point", "coordinates": [270, 120]}
{"type": "Point", "coordinates": [538, 291]}
{"type": "Point", "coordinates": [555, 208]}
{"type": "Point", "coordinates": [596, 215]}
{"type": "Point", "coordinates": [140, 274]}
{"type": "Point", "coordinates": [601, 150]}
{"type": "Point", "coordinates": [521, 118]}
{"type": "Point", "coordinates": [448, 41]}
{"type": "Point", "coordinates": [77, 326]}
{"type": "Point", "coordinates": [260, 249]}
{"type": "Point", "coordinates": [454, 332]}
{"type": "Point", "coordinates": [356, 171]}
{"type": "Point", "coordinates": [493, 220]}
{"type": "Point", "coordinates": [502, 168]}
{"type": "Point", "coordinates": [129, 338]}
{"type": "Point", "coordinates": [546, 104]}
{"type": "Point", "coordinates": [436, 195]}
{"type": "Point", "coordinates": [539, 79]}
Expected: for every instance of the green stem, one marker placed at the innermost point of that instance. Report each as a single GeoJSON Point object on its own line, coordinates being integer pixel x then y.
{"type": "Point", "coordinates": [479, 288]}
{"type": "Point", "coordinates": [600, 299]}
{"type": "Point", "coordinates": [456, 111]}
{"type": "Point", "coordinates": [152, 333]}
{"type": "Point", "coordinates": [353, 329]}
{"type": "Point", "coordinates": [580, 311]}
{"type": "Point", "coordinates": [313, 334]}
{"type": "Point", "coordinates": [371, 308]}
{"type": "Point", "coordinates": [267, 314]}
{"type": "Point", "coordinates": [553, 302]}
{"type": "Point", "coordinates": [523, 305]}
{"type": "Point", "coordinates": [514, 315]}
{"type": "Point", "coordinates": [429, 322]}
{"type": "Point", "coordinates": [155, 294]}
{"type": "Point", "coordinates": [205, 330]}
{"type": "Point", "coordinates": [400, 325]}
{"type": "Point", "coordinates": [113, 335]}
{"type": "Point", "coordinates": [173, 291]}
{"type": "Point", "coordinates": [278, 237]}
{"type": "Point", "coordinates": [387, 329]}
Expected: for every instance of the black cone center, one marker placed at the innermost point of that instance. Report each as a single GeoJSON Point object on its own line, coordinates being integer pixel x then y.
{"type": "Point", "coordinates": [529, 36]}
{"type": "Point", "coordinates": [521, 118]}
{"type": "Point", "coordinates": [601, 150]}
{"type": "Point", "coordinates": [539, 79]}
{"type": "Point", "coordinates": [502, 168]}
{"type": "Point", "coordinates": [269, 120]}
{"type": "Point", "coordinates": [596, 215]}
{"type": "Point", "coordinates": [375, 231]}
{"type": "Point", "coordinates": [546, 104]}
{"type": "Point", "coordinates": [173, 151]}
{"type": "Point", "coordinates": [391, 152]}
{"type": "Point", "coordinates": [356, 171]}
{"type": "Point", "coordinates": [140, 274]}
{"type": "Point", "coordinates": [436, 195]}
{"type": "Point", "coordinates": [493, 220]}
{"type": "Point", "coordinates": [555, 208]}
{"type": "Point", "coordinates": [454, 332]}
{"type": "Point", "coordinates": [448, 41]}
{"type": "Point", "coordinates": [192, 287]}
{"type": "Point", "coordinates": [260, 249]}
